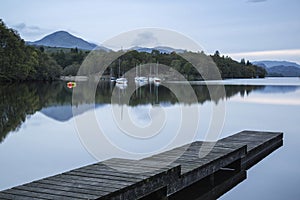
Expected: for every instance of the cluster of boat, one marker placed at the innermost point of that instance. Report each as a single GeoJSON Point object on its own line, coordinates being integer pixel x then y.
{"type": "Point", "coordinates": [139, 80]}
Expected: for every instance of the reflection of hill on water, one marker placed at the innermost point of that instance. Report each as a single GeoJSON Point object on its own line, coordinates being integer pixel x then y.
{"type": "Point", "coordinates": [165, 96]}
{"type": "Point", "coordinates": [62, 113]}
{"type": "Point", "coordinates": [55, 99]}
{"type": "Point", "coordinates": [279, 89]}
{"type": "Point", "coordinates": [59, 113]}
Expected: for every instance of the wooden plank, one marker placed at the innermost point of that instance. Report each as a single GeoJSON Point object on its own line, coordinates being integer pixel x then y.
{"type": "Point", "coordinates": [17, 193]}
{"type": "Point", "coordinates": [99, 169]}
{"type": "Point", "coordinates": [67, 189]}
{"type": "Point", "coordinates": [108, 177]}
{"type": "Point", "coordinates": [143, 167]}
{"type": "Point", "coordinates": [76, 185]}
{"type": "Point", "coordinates": [252, 139]}
{"type": "Point", "coordinates": [61, 193]}
{"type": "Point", "coordinates": [112, 185]}
{"type": "Point", "coordinates": [215, 163]}
{"type": "Point", "coordinates": [7, 196]}
{"type": "Point", "coordinates": [259, 145]}
{"type": "Point", "coordinates": [114, 174]}
{"type": "Point", "coordinates": [194, 151]}
{"type": "Point", "coordinates": [137, 164]}
{"type": "Point", "coordinates": [213, 154]}
{"type": "Point", "coordinates": [140, 189]}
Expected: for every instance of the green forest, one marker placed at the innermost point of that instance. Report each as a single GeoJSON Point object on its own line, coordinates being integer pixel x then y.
{"type": "Point", "coordinates": [227, 67]}
{"type": "Point", "coordinates": [20, 62]}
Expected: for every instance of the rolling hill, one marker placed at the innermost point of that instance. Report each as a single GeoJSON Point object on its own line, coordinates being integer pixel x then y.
{"type": "Point", "coordinates": [65, 40]}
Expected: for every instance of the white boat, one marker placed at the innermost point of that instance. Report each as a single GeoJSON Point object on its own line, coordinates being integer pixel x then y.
{"type": "Point", "coordinates": [140, 80]}
{"type": "Point", "coordinates": [136, 79]}
{"type": "Point", "coordinates": [151, 80]}
{"type": "Point", "coordinates": [156, 81]}
{"type": "Point", "coordinates": [121, 86]}
{"type": "Point", "coordinates": [112, 79]}
{"type": "Point", "coordinates": [122, 80]}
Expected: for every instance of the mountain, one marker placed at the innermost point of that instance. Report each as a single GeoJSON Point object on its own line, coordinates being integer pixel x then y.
{"type": "Point", "coordinates": [280, 68]}
{"type": "Point", "coordinates": [268, 63]}
{"type": "Point", "coordinates": [65, 40]}
{"type": "Point", "coordinates": [288, 71]}
{"type": "Point", "coordinates": [161, 49]}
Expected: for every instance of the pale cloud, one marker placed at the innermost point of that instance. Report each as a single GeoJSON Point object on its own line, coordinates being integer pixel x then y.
{"type": "Point", "coordinates": [23, 26]}
{"type": "Point", "coordinates": [287, 54]}
{"type": "Point", "coordinates": [145, 39]}
{"type": "Point", "coordinates": [30, 32]}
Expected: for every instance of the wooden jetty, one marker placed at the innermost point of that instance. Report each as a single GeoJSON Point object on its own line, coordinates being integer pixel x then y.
{"type": "Point", "coordinates": [168, 175]}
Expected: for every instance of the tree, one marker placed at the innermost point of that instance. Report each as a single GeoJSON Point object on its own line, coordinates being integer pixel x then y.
{"type": "Point", "coordinates": [176, 64]}
{"type": "Point", "coordinates": [243, 61]}
{"type": "Point", "coordinates": [155, 52]}
{"type": "Point", "coordinates": [217, 53]}
{"type": "Point", "coordinates": [187, 68]}
{"type": "Point", "coordinates": [42, 49]}
{"type": "Point", "coordinates": [248, 63]}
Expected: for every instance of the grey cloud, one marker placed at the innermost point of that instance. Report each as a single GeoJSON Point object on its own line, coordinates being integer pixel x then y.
{"type": "Point", "coordinates": [23, 26]}
{"type": "Point", "coordinates": [30, 32]}
{"type": "Point", "coordinates": [20, 26]}
{"type": "Point", "coordinates": [144, 39]}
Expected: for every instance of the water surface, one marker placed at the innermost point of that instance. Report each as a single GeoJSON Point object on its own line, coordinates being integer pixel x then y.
{"type": "Point", "coordinates": [39, 138]}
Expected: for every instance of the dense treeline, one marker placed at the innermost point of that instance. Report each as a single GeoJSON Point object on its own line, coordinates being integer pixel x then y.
{"type": "Point", "coordinates": [70, 60]}
{"type": "Point", "coordinates": [19, 62]}
{"type": "Point", "coordinates": [232, 69]}
{"type": "Point", "coordinates": [228, 67]}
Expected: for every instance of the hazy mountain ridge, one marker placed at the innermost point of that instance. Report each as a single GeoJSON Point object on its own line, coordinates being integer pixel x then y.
{"type": "Point", "coordinates": [269, 63]}
{"type": "Point", "coordinates": [288, 71]}
{"type": "Point", "coordinates": [161, 49]}
{"type": "Point", "coordinates": [280, 68]}
{"type": "Point", "coordinates": [64, 39]}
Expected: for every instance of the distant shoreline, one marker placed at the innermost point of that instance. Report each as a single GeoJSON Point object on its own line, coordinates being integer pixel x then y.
{"type": "Point", "coordinates": [74, 78]}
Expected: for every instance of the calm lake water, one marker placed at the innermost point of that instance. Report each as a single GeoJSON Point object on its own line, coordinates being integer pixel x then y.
{"type": "Point", "coordinates": [39, 134]}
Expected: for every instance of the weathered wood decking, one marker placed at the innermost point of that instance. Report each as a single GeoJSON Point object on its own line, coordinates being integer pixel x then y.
{"type": "Point", "coordinates": [156, 177]}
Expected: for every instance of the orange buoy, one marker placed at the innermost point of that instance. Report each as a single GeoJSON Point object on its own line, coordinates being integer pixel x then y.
{"type": "Point", "coordinates": [71, 85]}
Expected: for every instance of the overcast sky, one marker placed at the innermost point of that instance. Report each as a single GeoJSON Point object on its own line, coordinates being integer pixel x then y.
{"type": "Point", "coordinates": [254, 29]}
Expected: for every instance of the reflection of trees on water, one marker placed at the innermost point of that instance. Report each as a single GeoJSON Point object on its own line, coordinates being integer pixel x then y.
{"type": "Point", "coordinates": [21, 100]}
{"type": "Point", "coordinates": [164, 95]}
